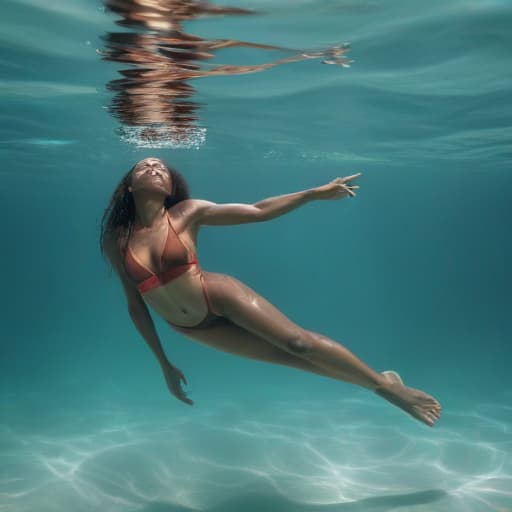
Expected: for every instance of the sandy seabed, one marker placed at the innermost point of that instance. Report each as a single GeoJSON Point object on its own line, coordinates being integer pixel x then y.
{"type": "Point", "coordinates": [356, 454]}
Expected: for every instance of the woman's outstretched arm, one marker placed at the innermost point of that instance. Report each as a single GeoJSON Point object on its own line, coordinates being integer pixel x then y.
{"type": "Point", "coordinates": [212, 214]}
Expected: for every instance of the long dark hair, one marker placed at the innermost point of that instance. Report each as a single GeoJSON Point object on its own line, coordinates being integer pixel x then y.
{"type": "Point", "coordinates": [119, 216]}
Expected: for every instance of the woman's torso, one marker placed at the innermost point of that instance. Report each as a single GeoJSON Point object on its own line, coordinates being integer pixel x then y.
{"type": "Point", "coordinates": [162, 262]}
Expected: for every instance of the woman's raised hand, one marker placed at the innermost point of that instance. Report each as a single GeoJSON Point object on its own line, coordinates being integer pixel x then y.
{"type": "Point", "coordinates": [174, 377]}
{"type": "Point", "coordinates": [338, 188]}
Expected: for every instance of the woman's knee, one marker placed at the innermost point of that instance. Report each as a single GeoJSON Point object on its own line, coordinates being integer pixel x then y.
{"type": "Point", "coordinates": [301, 343]}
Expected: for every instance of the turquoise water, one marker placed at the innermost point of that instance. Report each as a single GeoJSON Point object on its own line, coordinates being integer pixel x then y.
{"type": "Point", "coordinates": [411, 275]}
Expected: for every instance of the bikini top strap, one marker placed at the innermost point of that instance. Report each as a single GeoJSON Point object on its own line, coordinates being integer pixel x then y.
{"type": "Point", "coordinates": [190, 252]}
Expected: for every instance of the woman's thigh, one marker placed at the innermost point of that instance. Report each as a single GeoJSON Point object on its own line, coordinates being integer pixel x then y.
{"type": "Point", "coordinates": [241, 305]}
{"type": "Point", "coordinates": [224, 335]}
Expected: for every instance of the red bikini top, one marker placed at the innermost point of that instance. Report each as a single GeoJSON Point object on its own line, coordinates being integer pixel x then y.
{"type": "Point", "coordinates": [174, 261]}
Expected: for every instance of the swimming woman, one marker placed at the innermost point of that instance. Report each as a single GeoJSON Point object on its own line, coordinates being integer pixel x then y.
{"type": "Point", "coordinates": [149, 233]}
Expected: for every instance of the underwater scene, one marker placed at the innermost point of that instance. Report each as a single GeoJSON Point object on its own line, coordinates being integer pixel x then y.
{"type": "Point", "coordinates": [256, 256]}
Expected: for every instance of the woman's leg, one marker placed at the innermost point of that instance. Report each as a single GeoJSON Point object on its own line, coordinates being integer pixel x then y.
{"type": "Point", "coordinates": [242, 306]}
{"type": "Point", "coordinates": [226, 336]}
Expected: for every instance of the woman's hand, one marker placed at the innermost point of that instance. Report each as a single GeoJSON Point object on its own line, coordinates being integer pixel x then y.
{"type": "Point", "coordinates": [174, 377]}
{"type": "Point", "coordinates": [337, 188]}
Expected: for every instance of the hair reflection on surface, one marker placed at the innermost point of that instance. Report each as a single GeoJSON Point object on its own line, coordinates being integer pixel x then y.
{"type": "Point", "coordinates": [153, 97]}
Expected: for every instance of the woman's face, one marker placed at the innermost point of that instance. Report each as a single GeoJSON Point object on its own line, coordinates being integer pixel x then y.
{"type": "Point", "coordinates": [151, 175]}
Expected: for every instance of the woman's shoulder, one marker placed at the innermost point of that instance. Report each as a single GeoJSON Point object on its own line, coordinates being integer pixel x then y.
{"type": "Point", "coordinates": [189, 203]}
{"type": "Point", "coordinates": [186, 213]}
{"type": "Point", "coordinates": [188, 208]}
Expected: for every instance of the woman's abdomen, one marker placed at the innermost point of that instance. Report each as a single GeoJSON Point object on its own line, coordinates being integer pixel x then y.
{"type": "Point", "coordinates": [180, 301]}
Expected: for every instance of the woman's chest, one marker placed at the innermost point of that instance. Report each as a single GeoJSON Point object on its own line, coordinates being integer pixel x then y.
{"type": "Point", "coordinates": [162, 248]}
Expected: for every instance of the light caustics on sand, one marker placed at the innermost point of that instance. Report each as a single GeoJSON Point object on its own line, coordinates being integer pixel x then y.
{"type": "Point", "coordinates": [154, 99]}
{"type": "Point", "coordinates": [293, 453]}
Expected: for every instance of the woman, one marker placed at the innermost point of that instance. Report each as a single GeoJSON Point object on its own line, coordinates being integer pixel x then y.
{"type": "Point", "coordinates": [149, 235]}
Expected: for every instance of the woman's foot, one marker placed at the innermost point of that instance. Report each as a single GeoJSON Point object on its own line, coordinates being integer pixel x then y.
{"type": "Point", "coordinates": [417, 403]}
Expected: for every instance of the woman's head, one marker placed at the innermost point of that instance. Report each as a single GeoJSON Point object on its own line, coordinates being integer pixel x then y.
{"type": "Point", "coordinates": [150, 177]}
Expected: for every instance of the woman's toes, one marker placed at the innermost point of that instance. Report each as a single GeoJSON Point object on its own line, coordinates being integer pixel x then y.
{"type": "Point", "coordinates": [429, 421]}
{"type": "Point", "coordinates": [433, 416]}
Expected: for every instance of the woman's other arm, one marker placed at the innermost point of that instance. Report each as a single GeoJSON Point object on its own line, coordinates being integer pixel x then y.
{"type": "Point", "coordinates": [142, 320]}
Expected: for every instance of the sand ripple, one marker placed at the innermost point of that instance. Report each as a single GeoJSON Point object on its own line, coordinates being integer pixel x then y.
{"type": "Point", "coordinates": [354, 454]}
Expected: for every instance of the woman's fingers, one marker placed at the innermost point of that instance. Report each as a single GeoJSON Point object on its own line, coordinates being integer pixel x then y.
{"type": "Point", "coordinates": [174, 379]}
{"type": "Point", "coordinates": [184, 398]}
{"type": "Point", "coordinates": [348, 189]}
{"type": "Point", "coordinates": [181, 395]}
{"type": "Point", "coordinates": [352, 177]}
{"type": "Point", "coordinates": [180, 375]}
{"type": "Point", "coordinates": [344, 183]}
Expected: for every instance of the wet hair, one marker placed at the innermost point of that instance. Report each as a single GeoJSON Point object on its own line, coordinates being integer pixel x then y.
{"type": "Point", "coordinates": [119, 216]}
